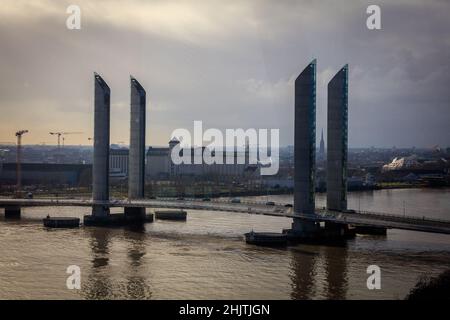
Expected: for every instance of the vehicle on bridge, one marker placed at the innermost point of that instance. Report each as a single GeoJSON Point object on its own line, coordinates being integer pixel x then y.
{"type": "Point", "coordinates": [236, 200]}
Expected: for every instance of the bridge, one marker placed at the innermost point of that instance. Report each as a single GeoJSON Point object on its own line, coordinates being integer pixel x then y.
{"type": "Point", "coordinates": [360, 218]}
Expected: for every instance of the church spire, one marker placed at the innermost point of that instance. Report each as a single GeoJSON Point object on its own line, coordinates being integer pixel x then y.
{"type": "Point", "coordinates": [322, 148]}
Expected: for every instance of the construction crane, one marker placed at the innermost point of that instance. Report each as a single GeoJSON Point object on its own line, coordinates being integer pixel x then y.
{"type": "Point", "coordinates": [19, 135]}
{"type": "Point", "coordinates": [59, 134]}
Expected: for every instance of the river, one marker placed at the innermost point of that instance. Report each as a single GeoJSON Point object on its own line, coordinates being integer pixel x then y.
{"type": "Point", "coordinates": [207, 258]}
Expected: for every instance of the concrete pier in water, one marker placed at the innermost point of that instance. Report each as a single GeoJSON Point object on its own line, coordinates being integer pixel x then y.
{"type": "Point", "coordinates": [12, 212]}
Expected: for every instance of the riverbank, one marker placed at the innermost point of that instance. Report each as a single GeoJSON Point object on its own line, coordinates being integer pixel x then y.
{"type": "Point", "coordinates": [199, 191]}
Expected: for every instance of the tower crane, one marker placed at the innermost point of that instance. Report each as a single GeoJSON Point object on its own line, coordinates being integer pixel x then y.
{"type": "Point", "coordinates": [59, 134]}
{"type": "Point", "coordinates": [19, 135]}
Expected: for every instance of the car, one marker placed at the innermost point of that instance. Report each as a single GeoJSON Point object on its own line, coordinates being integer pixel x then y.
{"type": "Point", "coordinates": [270, 203]}
{"type": "Point", "coordinates": [30, 195]}
{"type": "Point", "coordinates": [288, 205]}
{"type": "Point", "coordinates": [206, 199]}
{"type": "Point", "coordinates": [235, 200]}
{"type": "Point", "coordinates": [152, 198]}
{"type": "Point", "coordinates": [180, 198]}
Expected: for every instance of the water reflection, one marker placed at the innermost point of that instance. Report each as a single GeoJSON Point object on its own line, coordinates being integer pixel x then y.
{"type": "Point", "coordinates": [137, 288]}
{"type": "Point", "coordinates": [303, 274]}
{"type": "Point", "coordinates": [105, 283]}
{"type": "Point", "coordinates": [336, 272]}
{"type": "Point", "coordinates": [307, 273]}
{"type": "Point", "coordinates": [98, 282]}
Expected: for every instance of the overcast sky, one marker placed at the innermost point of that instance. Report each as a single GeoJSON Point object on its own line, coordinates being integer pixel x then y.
{"type": "Point", "coordinates": [230, 64]}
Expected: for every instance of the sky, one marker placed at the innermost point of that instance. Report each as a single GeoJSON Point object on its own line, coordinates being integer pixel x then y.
{"type": "Point", "coordinates": [231, 64]}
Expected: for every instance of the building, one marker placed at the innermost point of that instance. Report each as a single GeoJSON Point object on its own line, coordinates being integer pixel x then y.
{"type": "Point", "coordinates": [51, 174]}
{"type": "Point", "coordinates": [157, 165]}
{"type": "Point", "coordinates": [118, 163]}
{"type": "Point", "coordinates": [337, 151]}
{"type": "Point", "coordinates": [160, 165]}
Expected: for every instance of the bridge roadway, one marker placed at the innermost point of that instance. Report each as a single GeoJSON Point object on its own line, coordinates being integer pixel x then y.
{"type": "Point", "coordinates": [362, 218]}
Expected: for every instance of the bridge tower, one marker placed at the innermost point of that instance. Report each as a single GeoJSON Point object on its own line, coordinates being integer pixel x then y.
{"type": "Point", "coordinates": [305, 150]}
{"type": "Point", "coordinates": [100, 167]}
{"type": "Point", "coordinates": [136, 162]}
{"type": "Point", "coordinates": [337, 141]}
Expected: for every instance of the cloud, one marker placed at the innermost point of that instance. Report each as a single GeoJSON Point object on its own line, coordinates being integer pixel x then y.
{"type": "Point", "coordinates": [230, 64]}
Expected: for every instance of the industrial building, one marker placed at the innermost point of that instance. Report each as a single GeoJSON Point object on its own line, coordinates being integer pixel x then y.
{"type": "Point", "coordinates": [160, 164]}
{"type": "Point", "coordinates": [72, 175]}
{"type": "Point", "coordinates": [118, 163]}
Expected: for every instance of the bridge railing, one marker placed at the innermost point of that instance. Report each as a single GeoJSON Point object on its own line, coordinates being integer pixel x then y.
{"type": "Point", "coordinates": [222, 200]}
{"type": "Point", "coordinates": [392, 217]}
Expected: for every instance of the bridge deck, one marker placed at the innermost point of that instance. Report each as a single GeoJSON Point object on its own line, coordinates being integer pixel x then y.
{"type": "Point", "coordinates": [355, 218]}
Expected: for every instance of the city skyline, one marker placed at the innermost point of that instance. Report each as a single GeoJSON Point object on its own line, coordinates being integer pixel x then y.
{"type": "Point", "coordinates": [195, 66]}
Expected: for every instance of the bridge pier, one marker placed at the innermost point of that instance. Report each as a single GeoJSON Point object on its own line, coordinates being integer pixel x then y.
{"type": "Point", "coordinates": [134, 212]}
{"type": "Point", "coordinates": [131, 215]}
{"type": "Point", "coordinates": [100, 211]}
{"type": "Point", "coordinates": [12, 212]}
{"type": "Point", "coordinates": [338, 231]}
{"type": "Point", "coordinates": [310, 231]}
{"type": "Point", "coordinates": [379, 231]}
{"type": "Point", "coordinates": [303, 229]}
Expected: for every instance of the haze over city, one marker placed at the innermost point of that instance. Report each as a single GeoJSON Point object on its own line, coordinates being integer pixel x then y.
{"type": "Point", "coordinates": [229, 64]}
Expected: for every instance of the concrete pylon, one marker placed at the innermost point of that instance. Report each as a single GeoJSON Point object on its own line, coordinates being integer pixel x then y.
{"type": "Point", "coordinates": [305, 148]}
{"type": "Point", "coordinates": [136, 161]}
{"type": "Point", "coordinates": [100, 167]}
{"type": "Point", "coordinates": [337, 141]}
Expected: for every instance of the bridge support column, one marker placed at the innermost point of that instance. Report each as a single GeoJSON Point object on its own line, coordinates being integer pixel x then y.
{"type": "Point", "coordinates": [379, 231]}
{"type": "Point", "coordinates": [100, 164]}
{"type": "Point", "coordinates": [134, 213]}
{"type": "Point", "coordinates": [12, 212]}
{"type": "Point", "coordinates": [100, 211]}
{"type": "Point", "coordinates": [100, 216]}
{"type": "Point", "coordinates": [303, 229]}
{"type": "Point", "coordinates": [305, 154]}
{"type": "Point", "coordinates": [131, 215]}
{"type": "Point", "coordinates": [339, 231]}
